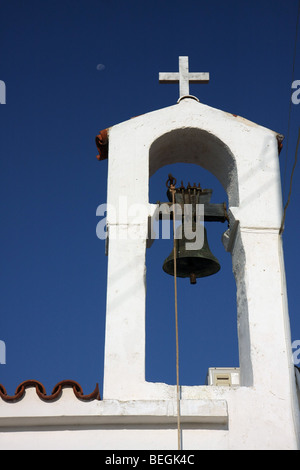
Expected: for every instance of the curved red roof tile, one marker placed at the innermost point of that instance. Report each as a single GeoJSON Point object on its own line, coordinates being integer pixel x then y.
{"type": "Point", "coordinates": [102, 144]}
{"type": "Point", "coordinates": [41, 391]}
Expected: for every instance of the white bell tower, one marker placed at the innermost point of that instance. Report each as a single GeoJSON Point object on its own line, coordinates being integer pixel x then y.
{"type": "Point", "coordinates": [263, 411]}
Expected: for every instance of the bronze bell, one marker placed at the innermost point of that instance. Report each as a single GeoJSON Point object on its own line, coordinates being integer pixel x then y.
{"type": "Point", "coordinates": [192, 263]}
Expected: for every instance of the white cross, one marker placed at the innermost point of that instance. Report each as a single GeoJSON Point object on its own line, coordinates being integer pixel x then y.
{"type": "Point", "coordinates": [183, 77]}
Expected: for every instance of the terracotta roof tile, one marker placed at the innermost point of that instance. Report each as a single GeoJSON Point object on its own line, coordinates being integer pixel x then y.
{"type": "Point", "coordinates": [102, 144]}
{"type": "Point", "coordinates": [41, 391]}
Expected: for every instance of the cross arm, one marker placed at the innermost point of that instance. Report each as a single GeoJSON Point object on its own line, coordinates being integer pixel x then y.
{"type": "Point", "coordinates": [168, 77]}
{"type": "Point", "coordinates": [200, 77]}
{"type": "Point", "coordinates": [174, 77]}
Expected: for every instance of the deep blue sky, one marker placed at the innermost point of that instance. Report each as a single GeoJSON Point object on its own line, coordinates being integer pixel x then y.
{"type": "Point", "coordinates": [53, 267]}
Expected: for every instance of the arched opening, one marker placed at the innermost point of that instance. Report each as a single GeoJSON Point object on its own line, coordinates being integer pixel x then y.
{"type": "Point", "coordinates": [207, 310]}
{"type": "Point", "coordinates": [193, 145]}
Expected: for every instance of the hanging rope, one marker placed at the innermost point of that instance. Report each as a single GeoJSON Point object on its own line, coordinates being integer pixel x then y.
{"type": "Point", "coordinates": [291, 183]}
{"type": "Point", "coordinates": [172, 190]}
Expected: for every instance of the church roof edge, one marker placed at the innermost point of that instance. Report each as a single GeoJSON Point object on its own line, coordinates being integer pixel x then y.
{"type": "Point", "coordinates": [102, 139]}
